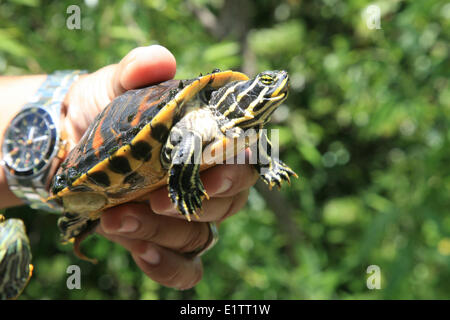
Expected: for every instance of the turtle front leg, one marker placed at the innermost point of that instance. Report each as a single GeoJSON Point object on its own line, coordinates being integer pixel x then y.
{"type": "Point", "coordinates": [182, 155]}
{"type": "Point", "coordinates": [271, 169]}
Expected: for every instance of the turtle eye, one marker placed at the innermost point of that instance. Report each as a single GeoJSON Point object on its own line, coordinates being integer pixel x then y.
{"type": "Point", "coordinates": [266, 79]}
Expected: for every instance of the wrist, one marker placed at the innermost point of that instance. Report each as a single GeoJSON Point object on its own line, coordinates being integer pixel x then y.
{"type": "Point", "coordinates": [32, 141]}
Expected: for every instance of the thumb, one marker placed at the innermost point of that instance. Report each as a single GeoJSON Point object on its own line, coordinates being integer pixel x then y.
{"type": "Point", "coordinates": [143, 66]}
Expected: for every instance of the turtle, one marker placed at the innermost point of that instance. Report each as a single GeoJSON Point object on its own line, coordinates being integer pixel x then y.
{"type": "Point", "coordinates": [147, 138]}
{"type": "Point", "coordinates": [150, 137]}
{"type": "Point", "coordinates": [15, 258]}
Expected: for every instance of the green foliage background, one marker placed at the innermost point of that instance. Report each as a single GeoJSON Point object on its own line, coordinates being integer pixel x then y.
{"type": "Point", "coordinates": [366, 126]}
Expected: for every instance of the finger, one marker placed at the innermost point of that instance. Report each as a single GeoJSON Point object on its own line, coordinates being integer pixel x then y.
{"type": "Point", "coordinates": [228, 180]}
{"type": "Point", "coordinates": [218, 209]}
{"type": "Point", "coordinates": [171, 270]}
{"type": "Point", "coordinates": [219, 181]}
{"type": "Point", "coordinates": [163, 265]}
{"type": "Point", "coordinates": [143, 66]}
{"type": "Point", "coordinates": [136, 221]}
{"type": "Point", "coordinates": [238, 203]}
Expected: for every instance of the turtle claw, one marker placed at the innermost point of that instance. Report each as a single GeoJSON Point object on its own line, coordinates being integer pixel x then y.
{"type": "Point", "coordinates": [204, 193]}
{"type": "Point", "coordinates": [277, 173]}
{"type": "Point", "coordinates": [188, 202]}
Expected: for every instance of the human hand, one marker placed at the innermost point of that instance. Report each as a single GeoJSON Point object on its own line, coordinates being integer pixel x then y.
{"type": "Point", "coordinates": [156, 235]}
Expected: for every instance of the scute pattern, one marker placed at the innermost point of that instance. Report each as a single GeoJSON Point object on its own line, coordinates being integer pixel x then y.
{"type": "Point", "coordinates": [114, 126]}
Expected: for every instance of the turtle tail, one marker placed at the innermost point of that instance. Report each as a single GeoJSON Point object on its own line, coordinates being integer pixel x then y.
{"type": "Point", "coordinates": [75, 228]}
{"type": "Point", "coordinates": [83, 235]}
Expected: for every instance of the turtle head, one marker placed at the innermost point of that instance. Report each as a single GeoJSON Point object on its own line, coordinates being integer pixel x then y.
{"type": "Point", "coordinates": [250, 103]}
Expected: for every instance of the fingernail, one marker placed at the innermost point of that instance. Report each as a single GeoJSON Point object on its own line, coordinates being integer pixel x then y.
{"type": "Point", "coordinates": [129, 224]}
{"type": "Point", "coordinates": [151, 256]}
{"type": "Point", "coordinates": [226, 185]}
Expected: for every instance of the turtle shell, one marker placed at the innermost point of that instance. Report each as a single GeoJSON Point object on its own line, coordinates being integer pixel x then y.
{"type": "Point", "coordinates": [118, 158]}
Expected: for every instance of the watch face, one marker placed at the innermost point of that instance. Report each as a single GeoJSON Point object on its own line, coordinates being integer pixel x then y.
{"type": "Point", "coordinates": [29, 142]}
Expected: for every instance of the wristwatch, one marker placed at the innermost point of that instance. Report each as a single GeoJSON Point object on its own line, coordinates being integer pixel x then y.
{"type": "Point", "coordinates": [32, 142]}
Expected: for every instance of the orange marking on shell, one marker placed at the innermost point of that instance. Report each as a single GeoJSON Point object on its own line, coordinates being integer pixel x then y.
{"type": "Point", "coordinates": [114, 132]}
{"type": "Point", "coordinates": [97, 140]}
{"type": "Point", "coordinates": [143, 107]}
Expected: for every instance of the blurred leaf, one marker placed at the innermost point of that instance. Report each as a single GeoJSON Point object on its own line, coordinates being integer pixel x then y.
{"type": "Point", "coordinates": [11, 46]}
{"type": "Point", "coordinates": [342, 211]}
{"type": "Point", "coordinates": [284, 38]}
{"type": "Point", "coordinates": [310, 153]}
{"type": "Point", "coordinates": [31, 3]}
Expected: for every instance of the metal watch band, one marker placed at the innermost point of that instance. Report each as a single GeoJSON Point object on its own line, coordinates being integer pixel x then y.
{"type": "Point", "coordinates": [52, 92]}
{"type": "Point", "coordinates": [50, 96]}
